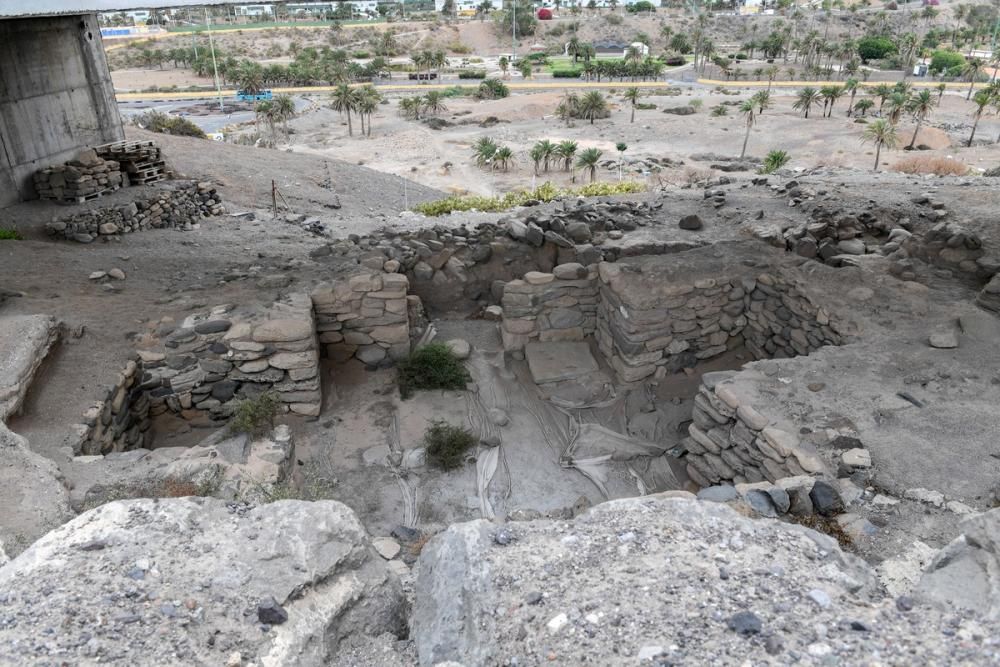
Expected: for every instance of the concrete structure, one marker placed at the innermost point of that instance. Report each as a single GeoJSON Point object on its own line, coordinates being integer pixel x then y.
{"type": "Point", "coordinates": [56, 97]}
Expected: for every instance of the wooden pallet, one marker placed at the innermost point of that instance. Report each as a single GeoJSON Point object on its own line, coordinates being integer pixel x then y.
{"type": "Point", "coordinates": [147, 179]}
{"type": "Point", "coordinates": [85, 198]}
{"type": "Point", "coordinates": [134, 168]}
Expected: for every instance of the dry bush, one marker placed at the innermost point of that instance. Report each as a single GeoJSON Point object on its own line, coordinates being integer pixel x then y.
{"type": "Point", "coordinates": [172, 487]}
{"type": "Point", "coordinates": [692, 175]}
{"type": "Point", "coordinates": [929, 164]}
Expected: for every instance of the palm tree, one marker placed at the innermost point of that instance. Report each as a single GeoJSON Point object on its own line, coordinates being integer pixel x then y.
{"type": "Point", "coordinates": [807, 97]}
{"type": "Point", "coordinates": [368, 101]}
{"type": "Point", "coordinates": [285, 108]}
{"type": "Point", "coordinates": [898, 103]}
{"type": "Point", "coordinates": [864, 105]}
{"type": "Point", "coordinates": [503, 157]}
{"type": "Point", "coordinates": [547, 150]}
{"type": "Point", "coordinates": [830, 95]}
{"type": "Point", "coordinates": [882, 133]}
{"type": "Point", "coordinates": [592, 105]}
{"type": "Point", "coordinates": [484, 149]}
{"type": "Point", "coordinates": [504, 65]}
{"type": "Point", "coordinates": [972, 70]}
{"type": "Point", "coordinates": [920, 106]}
{"type": "Point", "coordinates": [569, 108]}
{"type": "Point", "coordinates": [882, 92]}
{"type": "Point", "coordinates": [981, 99]}
{"type": "Point", "coordinates": [851, 86]}
{"type": "Point", "coordinates": [761, 100]}
{"type": "Point", "coordinates": [344, 99]}
{"type": "Point", "coordinates": [573, 48]}
{"type": "Point", "coordinates": [537, 154]}
{"type": "Point", "coordinates": [632, 95]}
{"type": "Point", "coordinates": [588, 159]}
{"type": "Point", "coordinates": [409, 107]}
{"type": "Point", "coordinates": [941, 87]}
{"type": "Point", "coordinates": [265, 109]}
{"type": "Point", "coordinates": [621, 147]}
{"type": "Point", "coordinates": [748, 110]}
{"type": "Point", "coordinates": [434, 102]}
{"type": "Point", "coordinates": [771, 73]}
{"type": "Point", "coordinates": [566, 150]}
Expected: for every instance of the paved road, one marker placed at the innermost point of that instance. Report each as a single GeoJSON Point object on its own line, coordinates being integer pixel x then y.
{"type": "Point", "coordinates": [210, 122]}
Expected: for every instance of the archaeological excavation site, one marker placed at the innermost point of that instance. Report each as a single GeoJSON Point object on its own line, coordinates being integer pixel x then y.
{"type": "Point", "coordinates": [262, 407]}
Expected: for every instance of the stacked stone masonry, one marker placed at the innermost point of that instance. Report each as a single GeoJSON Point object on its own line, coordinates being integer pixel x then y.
{"type": "Point", "coordinates": [206, 366]}
{"type": "Point", "coordinates": [80, 179]}
{"type": "Point", "coordinates": [366, 316]}
{"type": "Point", "coordinates": [730, 441]}
{"type": "Point", "coordinates": [557, 306]}
{"type": "Point", "coordinates": [176, 204]}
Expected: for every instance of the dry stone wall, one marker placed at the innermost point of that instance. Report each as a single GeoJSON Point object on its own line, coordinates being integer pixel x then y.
{"type": "Point", "coordinates": [648, 321]}
{"type": "Point", "coordinates": [206, 366]}
{"type": "Point", "coordinates": [557, 306]}
{"type": "Point", "coordinates": [730, 441]}
{"type": "Point", "coordinates": [365, 316]}
{"type": "Point", "coordinates": [177, 205]}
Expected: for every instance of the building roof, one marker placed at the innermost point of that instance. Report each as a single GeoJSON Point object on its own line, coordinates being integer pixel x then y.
{"type": "Point", "coordinates": [26, 8]}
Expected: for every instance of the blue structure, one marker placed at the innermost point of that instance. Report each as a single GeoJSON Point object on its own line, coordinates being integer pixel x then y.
{"type": "Point", "coordinates": [244, 96]}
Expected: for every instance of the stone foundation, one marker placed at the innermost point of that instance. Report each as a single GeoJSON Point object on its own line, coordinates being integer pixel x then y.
{"type": "Point", "coordinates": [556, 306]}
{"type": "Point", "coordinates": [654, 313]}
{"type": "Point", "coordinates": [176, 205]}
{"type": "Point", "coordinates": [365, 316]}
{"type": "Point", "coordinates": [206, 366]}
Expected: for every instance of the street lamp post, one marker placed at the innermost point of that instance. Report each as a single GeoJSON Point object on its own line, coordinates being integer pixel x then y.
{"type": "Point", "coordinates": [513, 32]}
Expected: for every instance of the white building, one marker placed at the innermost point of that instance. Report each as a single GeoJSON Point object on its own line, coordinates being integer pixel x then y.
{"type": "Point", "coordinates": [469, 6]}
{"type": "Point", "coordinates": [253, 10]}
{"type": "Point", "coordinates": [136, 16]}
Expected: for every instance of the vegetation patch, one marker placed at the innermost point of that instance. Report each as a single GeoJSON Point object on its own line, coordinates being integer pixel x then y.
{"type": "Point", "coordinates": [774, 161]}
{"type": "Point", "coordinates": [155, 121]}
{"type": "Point", "coordinates": [7, 234]}
{"type": "Point", "coordinates": [432, 366]}
{"type": "Point", "coordinates": [446, 444]}
{"type": "Point", "coordinates": [543, 193]}
{"type": "Point", "coordinates": [255, 416]}
{"type": "Point", "coordinates": [941, 166]}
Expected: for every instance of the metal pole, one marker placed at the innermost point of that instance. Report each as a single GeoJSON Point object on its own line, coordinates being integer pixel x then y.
{"type": "Point", "coordinates": [513, 33]}
{"type": "Point", "coordinates": [215, 65]}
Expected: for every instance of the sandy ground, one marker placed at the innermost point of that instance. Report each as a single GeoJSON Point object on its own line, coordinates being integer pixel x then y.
{"type": "Point", "coordinates": [412, 149]}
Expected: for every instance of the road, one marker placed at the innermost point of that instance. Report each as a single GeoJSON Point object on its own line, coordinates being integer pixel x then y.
{"type": "Point", "coordinates": [209, 120]}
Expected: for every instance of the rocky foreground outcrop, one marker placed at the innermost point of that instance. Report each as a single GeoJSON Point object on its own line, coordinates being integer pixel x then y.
{"type": "Point", "coordinates": [662, 580]}
{"type": "Point", "coordinates": [196, 581]}
{"type": "Point", "coordinates": [675, 581]}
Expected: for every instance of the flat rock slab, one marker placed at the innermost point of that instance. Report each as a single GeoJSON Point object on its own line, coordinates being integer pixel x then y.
{"type": "Point", "coordinates": [24, 342]}
{"type": "Point", "coordinates": [556, 362]}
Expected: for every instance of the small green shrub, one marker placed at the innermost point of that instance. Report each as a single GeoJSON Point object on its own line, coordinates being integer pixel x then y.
{"type": "Point", "coordinates": [645, 106]}
{"type": "Point", "coordinates": [472, 74]}
{"type": "Point", "coordinates": [155, 121]}
{"type": "Point", "coordinates": [9, 234]}
{"type": "Point", "coordinates": [944, 60]}
{"type": "Point", "coordinates": [719, 110]}
{"type": "Point", "coordinates": [573, 73]}
{"type": "Point", "coordinates": [255, 416]}
{"type": "Point", "coordinates": [446, 444]}
{"type": "Point", "coordinates": [775, 160]}
{"type": "Point", "coordinates": [432, 366]}
{"type": "Point", "coordinates": [696, 104]}
{"type": "Point", "coordinates": [492, 89]}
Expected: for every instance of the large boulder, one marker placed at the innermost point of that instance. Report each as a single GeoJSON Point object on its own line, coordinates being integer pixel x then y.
{"type": "Point", "coordinates": [672, 580]}
{"type": "Point", "coordinates": [33, 495]}
{"type": "Point", "coordinates": [966, 573]}
{"type": "Point", "coordinates": [197, 581]}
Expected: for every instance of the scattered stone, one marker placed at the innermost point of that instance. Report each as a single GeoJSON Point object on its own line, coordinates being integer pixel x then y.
{"type": "Point", "coordinates": [944, 340]}
{"type": "Point", "coordinates": [745, 623]}
{"type": "Point", "coordinates": [691, 222]}
{"type": "Point", "coordinates": [386, 547]}
{"type": "Point", "coordinates": [460, 348]}
{"type": "Point", "coordinates": [270, 612]}
{"type": "Point", "coordinates": [117, 274]}
{"type": "Point", "coordinates": [825, 498]}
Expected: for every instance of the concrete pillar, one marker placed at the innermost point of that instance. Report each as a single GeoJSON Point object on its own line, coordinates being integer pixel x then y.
{"type": "Point", "coordinates": [56, 97]}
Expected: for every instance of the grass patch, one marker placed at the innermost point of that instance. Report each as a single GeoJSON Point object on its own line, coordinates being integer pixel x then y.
{"type": "Point", "coordinates": [317, 483]}
{"type": "Point", "coordinates": [10, 234]}
{"type": "Point", "coordinates": [543, 193]}
{"type": "Point", "coordinates": [432, 366]}
{"type": "Point", "coordinates": [168, 487]}
{"type": "Point", "coordinates": [446, 444]}
{"type": "Point", "coordinates": [774, 161]}
{"type": "Point", "coordinates": [941, 166]}
{"type": "Point", "coordinates": [255, 416]}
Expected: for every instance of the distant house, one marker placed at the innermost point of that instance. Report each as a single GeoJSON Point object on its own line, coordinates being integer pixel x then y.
{"type": "Point", "coordinates": [256, 11]}
{"type": "Point", "coordinates": [607, 46]}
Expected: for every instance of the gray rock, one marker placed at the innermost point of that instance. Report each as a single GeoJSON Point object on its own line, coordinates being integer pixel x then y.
{"type": "Point", "coordinates": [691, 222]}
{"type": "Point", "coordinates": [745, 623]}
{"type": "Point", "coordinates": [718, 494]}
{"type": "Point", "coordinates": [825, 498]}
{"type": "Point", "coordinates": [944, 340]}
{"type": "Point", "coordinates": [306, 568]}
